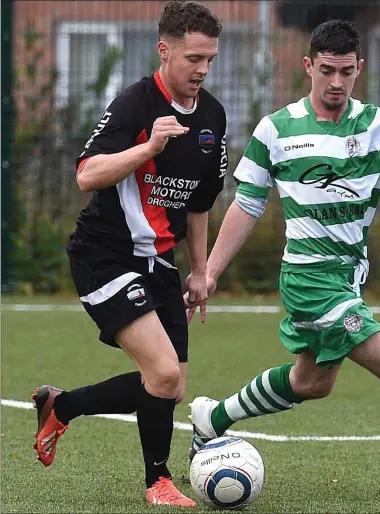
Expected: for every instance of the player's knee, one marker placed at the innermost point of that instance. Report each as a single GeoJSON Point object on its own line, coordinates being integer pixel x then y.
{"type": "Point", "coordinates": [165, 380]}
{"type": "Point", "coordinates": [180, 395]}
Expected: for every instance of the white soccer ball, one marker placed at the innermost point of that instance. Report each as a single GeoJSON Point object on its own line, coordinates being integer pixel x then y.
{"type": "Point", "coordinates": [227, 473]}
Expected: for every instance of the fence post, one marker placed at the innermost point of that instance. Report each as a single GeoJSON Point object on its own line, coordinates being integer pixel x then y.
{"type": "Point", "coordinates": [7, 141]}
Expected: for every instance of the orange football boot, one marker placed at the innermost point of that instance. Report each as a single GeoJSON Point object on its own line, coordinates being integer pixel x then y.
{"type": "Point", "coordinates": [164, 492]}
{"type": "Point", "coordinates": [49, 429]}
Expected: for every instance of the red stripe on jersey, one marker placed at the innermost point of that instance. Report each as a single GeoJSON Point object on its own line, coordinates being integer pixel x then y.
{"type": "Point", "coordinates": [82, 164]}
{"type": "Point", "coordinates": [161, 87]}
{"type": "Point", "coordinates": [155, 215]}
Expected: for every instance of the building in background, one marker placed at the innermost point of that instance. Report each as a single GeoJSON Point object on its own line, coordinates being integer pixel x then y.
{"type": "Point", "coordinates": [260, 64]}
{"type": "Point", "coordinates": [70, 59]}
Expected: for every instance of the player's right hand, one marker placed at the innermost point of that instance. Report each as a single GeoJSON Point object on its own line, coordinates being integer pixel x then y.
{"type": "Point", "coordinates": [163, 128]}
{"type": "Point", "coordinates": [211, 288]}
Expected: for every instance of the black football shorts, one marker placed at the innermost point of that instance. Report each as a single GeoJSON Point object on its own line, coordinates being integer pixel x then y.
{"type": "Point", "coordinates": [115, 293]}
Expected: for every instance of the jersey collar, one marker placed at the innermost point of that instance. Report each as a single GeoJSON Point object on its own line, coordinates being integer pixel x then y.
{"type": "Point", "coordinates": [168, 97]}
{"type": "Point", "coordinates": [343, 118]}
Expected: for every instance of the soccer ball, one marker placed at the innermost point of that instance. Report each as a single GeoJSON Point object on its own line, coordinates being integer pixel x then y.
{"type": "Point", "coordinates": [227, 473]}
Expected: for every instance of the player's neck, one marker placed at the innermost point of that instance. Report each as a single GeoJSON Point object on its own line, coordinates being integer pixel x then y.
{"type": "Point", "coordinates": [322, 113]}
{"type": "Point", "coordinates": [185, 102]}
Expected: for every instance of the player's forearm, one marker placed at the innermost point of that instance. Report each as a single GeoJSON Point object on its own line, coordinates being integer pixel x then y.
{"type": "Point", "coordinates": [102, 171]}
{"type": "Point", "coordinates": [236, 227]}
{"type": "Point", "coordinates": [196, 241]}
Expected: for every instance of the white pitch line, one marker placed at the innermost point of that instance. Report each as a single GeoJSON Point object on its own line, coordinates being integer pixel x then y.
{"type": "Point", "coordinates": [237, 433]}
{"type": "Point", "coordinates": [270, 309]}
{"type": "Point", "coordinates": [24, 307]}
{"type": "Point", "coordinates": [21, 307]}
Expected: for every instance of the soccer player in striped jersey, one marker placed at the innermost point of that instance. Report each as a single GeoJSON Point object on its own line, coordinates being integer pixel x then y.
{"type": "Point", "coordinates": [323, 155]}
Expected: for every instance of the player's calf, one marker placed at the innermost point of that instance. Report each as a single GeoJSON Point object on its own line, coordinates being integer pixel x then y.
{"type": "Point", "coordinates": [311, 381]}
{"type": "Point", "coordinates": [314, 390]}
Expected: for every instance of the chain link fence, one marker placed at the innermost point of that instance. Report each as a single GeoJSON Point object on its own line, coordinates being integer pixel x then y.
{"type": "Point", "coordinates": [71, 58]}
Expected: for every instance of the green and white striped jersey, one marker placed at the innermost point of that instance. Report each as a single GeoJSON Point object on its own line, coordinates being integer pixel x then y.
{"type": "Point", "coordinates": [328, 178]}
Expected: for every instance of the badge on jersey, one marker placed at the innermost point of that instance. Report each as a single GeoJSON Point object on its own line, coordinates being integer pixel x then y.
{"type": "Point", "coordinates": [353, 146]}
{"type": "Point", "coordinates": [206, 140]}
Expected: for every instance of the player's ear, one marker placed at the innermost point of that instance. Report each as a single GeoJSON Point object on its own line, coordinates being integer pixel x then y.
{"type": "Point", "coordinates": [162, 48]}
{"type": "Point", "coordinates": [308, 65]}
{"type": "Point", "coordinates": [360, 66]}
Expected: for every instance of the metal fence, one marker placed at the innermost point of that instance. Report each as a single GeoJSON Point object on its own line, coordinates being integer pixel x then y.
{"type": "Point", "coordinates": [70, 58]}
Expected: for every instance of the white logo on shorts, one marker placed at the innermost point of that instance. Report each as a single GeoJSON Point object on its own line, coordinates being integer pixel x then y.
{"type": "Point", "coordinates": [353, 323]}
{"type": "Point", "coordinates": [136, 294]}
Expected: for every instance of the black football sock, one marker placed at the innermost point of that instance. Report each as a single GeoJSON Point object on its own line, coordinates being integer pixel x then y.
{"type": "Point", "coordinates": [155, 421]}
{"type": "Point", "coordinates": [117, 395]}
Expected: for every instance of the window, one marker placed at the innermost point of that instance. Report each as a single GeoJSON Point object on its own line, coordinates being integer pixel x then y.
{"type": "Point", "coordinates": [80, 48]}
{"type": "Point", "coordinates": [374, 65]}
{"type": "Point", "coordinates": [140, 51]}
{"type": "Point", "coordinates": [240, 76]}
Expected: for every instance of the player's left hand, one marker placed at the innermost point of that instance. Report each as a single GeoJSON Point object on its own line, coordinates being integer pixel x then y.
{"type": "Point", "coordinates": [196, 295]}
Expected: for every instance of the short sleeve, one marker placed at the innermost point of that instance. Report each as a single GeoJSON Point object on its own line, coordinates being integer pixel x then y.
{"type": "Point", "coordinates": [116, 131]}
{"type": "Point", "coordinates": [253, 172]}
{"type": "Point", "coordinates": [204, 196]}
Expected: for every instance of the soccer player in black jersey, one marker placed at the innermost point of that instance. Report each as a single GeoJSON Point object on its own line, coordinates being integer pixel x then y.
{"type": "Point", "coordinates": [155, 164]}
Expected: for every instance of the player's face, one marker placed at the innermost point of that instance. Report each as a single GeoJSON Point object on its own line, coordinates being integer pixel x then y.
{"type": "Point", "coordinates": [188, 61]}
{"type": "Point", "coordinates": [333, 77]}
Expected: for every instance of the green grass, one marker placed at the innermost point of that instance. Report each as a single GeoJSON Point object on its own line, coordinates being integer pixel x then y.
{"type": "Point", "coordinates": [219, 299]}
{"type": "Point", "coordinates": [98, 466]}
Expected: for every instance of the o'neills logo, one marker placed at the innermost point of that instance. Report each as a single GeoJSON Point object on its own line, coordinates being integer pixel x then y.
{"type": "Point", "coordinates": [296, 147]}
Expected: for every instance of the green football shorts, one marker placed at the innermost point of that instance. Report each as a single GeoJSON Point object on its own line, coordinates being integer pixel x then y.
{"type": "Point", "coordinates": [324, 315]}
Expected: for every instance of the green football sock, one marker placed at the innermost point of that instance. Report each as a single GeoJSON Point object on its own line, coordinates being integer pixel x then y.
{"type": "Point", "coordinates": [268, 393]}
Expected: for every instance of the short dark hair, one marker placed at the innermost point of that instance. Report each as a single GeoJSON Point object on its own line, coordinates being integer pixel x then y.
{"type": "Point", "coordinates": [181, 16]}
{"type": "Point", "coordinates": [338, 37]}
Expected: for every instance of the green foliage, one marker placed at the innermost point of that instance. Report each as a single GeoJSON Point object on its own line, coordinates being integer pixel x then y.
{"type": "Point", "coordinates": [31, 37]}
{"type": "Point", "coordinates": [46, 142]}
{"type": "Point", "coordinates": [112, 56]}
{"type": "Point", "coordinates": [107, 64]}
{"type": "Point", "coordinates": [38, 258]}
